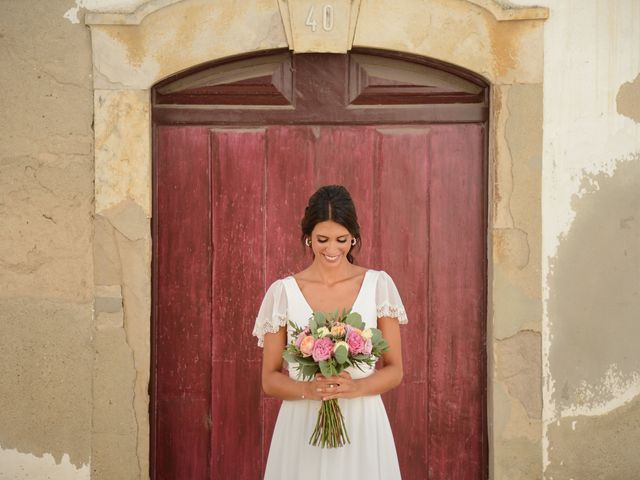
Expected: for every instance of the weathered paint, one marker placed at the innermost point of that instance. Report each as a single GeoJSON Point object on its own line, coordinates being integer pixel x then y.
{"type": "Point", "coordinates": [591, 61]}
{"type": "Point", "coordinates": [26, 466]}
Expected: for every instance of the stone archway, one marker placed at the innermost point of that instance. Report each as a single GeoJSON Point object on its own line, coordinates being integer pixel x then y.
{"type": "Point", "coordinates": [133, 51]}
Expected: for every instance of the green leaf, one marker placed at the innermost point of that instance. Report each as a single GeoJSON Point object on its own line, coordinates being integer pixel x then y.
{"type": "Point", "coordinates": [313, 325]}
{"type": "Point", "coordinates": [341, 354]}
{"type": "Point", "coordinates": [290, 357]}
{"type": "Point", "coordinates": [355, 320]}
{"type": "Point", "coordinates": [308, 371]}
{"type": "Point", "coordinates": [319, 318]}
{"type": "Point", "coordinates": [325, 368]}
{"type": "Point", "coordinates": [332, 366]}
{"type": "Point", "coordinates": [376, 335]}
{"type": "Point", "coordinates": [306, 360]}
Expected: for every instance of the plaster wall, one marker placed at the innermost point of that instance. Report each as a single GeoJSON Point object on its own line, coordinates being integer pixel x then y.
{"type": "Point", "coordinates": [46, 273]}
{"type": "Point", "coordinates": [591, 240]}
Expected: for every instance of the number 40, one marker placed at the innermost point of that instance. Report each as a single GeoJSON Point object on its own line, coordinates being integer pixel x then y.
{"type": "Point", "coordinates": [327, 18]}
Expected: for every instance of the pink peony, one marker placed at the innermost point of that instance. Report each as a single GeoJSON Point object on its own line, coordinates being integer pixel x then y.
{"type": "Point", "coordinates": [307, 346]}
{"type": "Point", "coordinates": [368, 346]}
{"type": "Point", "coordinates": [356, 342]}
{"type": "Point", "coordinates": [322, 349]}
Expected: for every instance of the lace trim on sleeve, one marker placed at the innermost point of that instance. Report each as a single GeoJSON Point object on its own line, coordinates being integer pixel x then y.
{"type": "Point", "coordinates": [392, 311]}
{"type": "Point", "coordinates": [388, 301]}
{"type": "Point", "coordinates": [273, 312]}
{"type": "Point", "coordinates": [268, 325]}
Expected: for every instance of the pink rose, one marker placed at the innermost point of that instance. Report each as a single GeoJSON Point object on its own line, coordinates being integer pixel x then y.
{"type": "Point", "coordinates": [307, 346]}
{"type": "Point", "coordinates": [356, 343]}
{"type": "Point", "coordinates": [299, 338]}
{"type": "Point", "coordinates": [322, 349]}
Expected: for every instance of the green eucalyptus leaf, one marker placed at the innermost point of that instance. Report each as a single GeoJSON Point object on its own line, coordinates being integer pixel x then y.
{"type": "Point", "coordinates": [355, 320]}
{"type": "Point", "coordinates": [341, 354]}
{"type": "Point", "coordinates": [325, 368]}
{"type": "Point", "coordinates": [376, 335]}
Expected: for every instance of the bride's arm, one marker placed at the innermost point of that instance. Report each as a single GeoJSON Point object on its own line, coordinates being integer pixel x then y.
{"type": "Point", "coordinates": [382, 380]}
{"type": "Point", "coordinates": [274, 382]}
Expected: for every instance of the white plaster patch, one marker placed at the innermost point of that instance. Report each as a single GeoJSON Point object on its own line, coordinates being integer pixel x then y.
{"type": "Point", "coordinates": [116, 6]}
{"type": "Point", "coordinates": [72, 13]}
{"type": "Point", "coordinates": [613, 391]}
{"type": "Point", "coordinates": [26, 466]}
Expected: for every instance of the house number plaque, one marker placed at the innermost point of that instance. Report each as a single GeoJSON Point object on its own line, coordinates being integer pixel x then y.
{"type": "Point", "coordinates": [321, 26]}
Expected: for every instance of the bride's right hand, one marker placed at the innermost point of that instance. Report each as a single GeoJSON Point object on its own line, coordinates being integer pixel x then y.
{"type": "Point", "coordinates": [310, 390]}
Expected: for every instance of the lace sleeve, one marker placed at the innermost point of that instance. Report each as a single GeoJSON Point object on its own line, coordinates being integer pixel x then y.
{"type": "Point", "coordinates": [273, 312]}
{"type": "Point", "coordinates": [388, 301]}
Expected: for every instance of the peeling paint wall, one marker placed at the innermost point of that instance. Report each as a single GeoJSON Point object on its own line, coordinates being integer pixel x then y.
{"type": "Point", "coordinates": [591, 240]}
{"type": "Point", "coordinates": [46, 276]}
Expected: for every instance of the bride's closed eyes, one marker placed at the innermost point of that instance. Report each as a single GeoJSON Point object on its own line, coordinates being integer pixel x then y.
{"type": "Point", "coordinates": [324, 239]}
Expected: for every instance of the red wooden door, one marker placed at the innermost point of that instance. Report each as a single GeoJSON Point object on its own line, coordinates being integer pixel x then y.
{"type": "Point", "coordinates": [228, 202]}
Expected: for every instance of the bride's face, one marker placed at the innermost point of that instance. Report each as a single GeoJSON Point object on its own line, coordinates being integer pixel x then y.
{"type": "Point", "coordinates": [330, 242]}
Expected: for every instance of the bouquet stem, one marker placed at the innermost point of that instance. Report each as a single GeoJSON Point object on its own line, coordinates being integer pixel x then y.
{"type": "Point", "coordinates": [330, 430]}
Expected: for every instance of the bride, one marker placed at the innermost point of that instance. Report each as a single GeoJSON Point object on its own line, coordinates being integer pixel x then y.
{"type": "Point", "coordinates": [331, 282]}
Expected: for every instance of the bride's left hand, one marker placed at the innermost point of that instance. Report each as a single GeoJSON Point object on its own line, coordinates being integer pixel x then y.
{"type": "Point", "coordinates": [338, 386]}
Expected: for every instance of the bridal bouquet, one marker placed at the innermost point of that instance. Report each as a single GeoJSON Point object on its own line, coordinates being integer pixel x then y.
{"type": "Point", "coordinates": [329, 344]}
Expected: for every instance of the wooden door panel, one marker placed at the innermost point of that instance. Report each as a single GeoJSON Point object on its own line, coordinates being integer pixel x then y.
{"type": "Point", "coordinates": [238, 163]}
{"type": "Point", "coordinates": [227, 226]}
{"type": "Point", "coordinates": [457, 372]}
{"type": "Point", "coordinates": [403, 246]}
{"type": "Point", "coordinates": [289, 163]}
{"type": "Point", "coordinates": [181, 330]}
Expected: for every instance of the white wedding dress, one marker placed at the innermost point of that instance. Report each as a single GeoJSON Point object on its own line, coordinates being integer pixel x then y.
{"type": "Point", "coordinates": [371, 454]}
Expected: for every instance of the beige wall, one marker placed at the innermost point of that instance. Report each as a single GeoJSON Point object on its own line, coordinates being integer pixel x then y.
{"type": "Point", "coordinates": [46, 209]}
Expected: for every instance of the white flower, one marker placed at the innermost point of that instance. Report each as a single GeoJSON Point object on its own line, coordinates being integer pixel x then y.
{"type": "Point", "coordinates": [367, 333]}
{"type": "Point", "coordinates": [323, 332]}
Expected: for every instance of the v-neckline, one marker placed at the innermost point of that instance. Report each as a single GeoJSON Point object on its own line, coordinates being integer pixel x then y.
{"type": "Point", "coordinates": [304, 299]}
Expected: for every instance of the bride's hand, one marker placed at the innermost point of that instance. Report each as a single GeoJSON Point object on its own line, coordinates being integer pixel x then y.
{"type": "Point", "coordinates": [338, 386]}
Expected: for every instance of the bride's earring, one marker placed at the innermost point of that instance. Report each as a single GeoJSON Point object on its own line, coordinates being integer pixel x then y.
{"type": "Point", "coordinates": [307, 242]}
{"type": "Point", "coordinates": [353, 242]}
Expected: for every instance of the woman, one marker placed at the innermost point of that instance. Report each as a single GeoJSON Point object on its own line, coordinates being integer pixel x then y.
{"type": "Point", "coordinates": [332, 282]}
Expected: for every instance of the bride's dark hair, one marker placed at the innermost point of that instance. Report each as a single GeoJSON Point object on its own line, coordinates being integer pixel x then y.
{"type": "Point", "coordinates": [332, 202]}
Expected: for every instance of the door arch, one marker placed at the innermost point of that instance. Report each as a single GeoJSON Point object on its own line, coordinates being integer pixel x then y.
{"type": "Point", "coordinates": [407, 136]}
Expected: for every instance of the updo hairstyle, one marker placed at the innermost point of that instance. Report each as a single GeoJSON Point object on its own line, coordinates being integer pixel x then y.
{"type": "Point", "coordinates": [332, 202]}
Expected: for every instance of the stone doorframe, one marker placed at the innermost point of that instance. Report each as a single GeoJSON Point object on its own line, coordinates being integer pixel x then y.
{"type": "Point", "coordinates": [135, 50]}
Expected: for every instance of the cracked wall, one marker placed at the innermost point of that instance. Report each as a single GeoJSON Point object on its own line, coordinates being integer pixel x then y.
{"type": "Point", "coordinates": [46, 205]}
